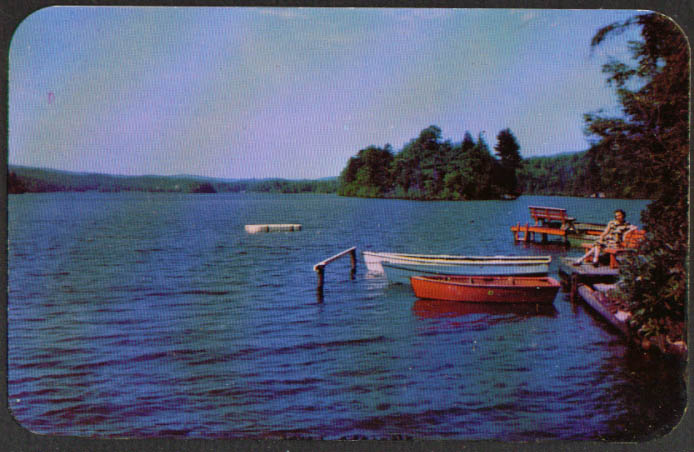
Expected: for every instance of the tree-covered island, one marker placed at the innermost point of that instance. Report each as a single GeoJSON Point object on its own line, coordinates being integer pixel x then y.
{"type": "Point", "coordinates": [429, 168]}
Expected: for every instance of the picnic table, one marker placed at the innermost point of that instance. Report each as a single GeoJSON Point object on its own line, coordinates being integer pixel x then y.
{"type": "Point", "coordinates": [548, 216]}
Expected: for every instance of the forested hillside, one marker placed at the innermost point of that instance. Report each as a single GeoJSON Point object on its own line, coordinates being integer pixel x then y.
{"type": "Point", "coordinates": [469, 172]}
{"type": "Point", "coordinates": [35, 180]}
{"type": "Point", "coordinates": [565, 174]}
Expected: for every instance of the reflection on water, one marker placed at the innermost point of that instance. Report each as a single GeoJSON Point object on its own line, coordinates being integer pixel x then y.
{"type": "Point", "coordinates": [428, 309]}
{"type": "Point", "coordinates": [556, 246]}
{"type": "Point", "coordinates": [663, 379]}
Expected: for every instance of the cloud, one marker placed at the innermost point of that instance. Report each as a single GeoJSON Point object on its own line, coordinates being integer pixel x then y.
{"type": "Point", "coordinates": [527, 16]}
{"type": "Point", "coordinates": [283, 13]}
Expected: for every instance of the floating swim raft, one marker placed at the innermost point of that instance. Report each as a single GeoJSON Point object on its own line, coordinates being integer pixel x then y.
{"type": "Point", "coordinates": [255, 228]}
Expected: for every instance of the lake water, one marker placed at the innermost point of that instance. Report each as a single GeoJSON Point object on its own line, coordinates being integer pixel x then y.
{"type": "Point", "coordinates": [140, 315]}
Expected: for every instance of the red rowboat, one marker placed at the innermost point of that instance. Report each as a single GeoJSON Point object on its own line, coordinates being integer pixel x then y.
{"type": "Point", "coordinates": [486, 289]}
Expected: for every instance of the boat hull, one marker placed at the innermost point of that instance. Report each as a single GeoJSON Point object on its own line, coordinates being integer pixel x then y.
{"type": "Point", "coordinates": [505, 289]}
{"type": "Point", "coordinates": [400, 267]}
{"type": "Point", "coordinates": [582, 233]}
{"type": "Point", "coordinates": [577, 240]}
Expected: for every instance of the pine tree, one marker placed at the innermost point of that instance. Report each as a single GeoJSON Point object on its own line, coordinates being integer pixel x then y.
{"type": "Point", "coordinates": [506, 149]}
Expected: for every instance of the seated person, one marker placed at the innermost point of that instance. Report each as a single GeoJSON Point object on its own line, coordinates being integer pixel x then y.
{"type": "Point", "coordinates": [612, 236]}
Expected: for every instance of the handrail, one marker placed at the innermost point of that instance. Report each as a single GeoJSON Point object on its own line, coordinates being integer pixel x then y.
{"type": "Point", "coordinates": [320, 267]}
{"type": "Point", "coordinates": [325, 262]}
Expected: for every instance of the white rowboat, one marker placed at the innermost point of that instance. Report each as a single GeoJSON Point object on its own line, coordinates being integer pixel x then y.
{"type": "Point", "coordinates": [400, 267]}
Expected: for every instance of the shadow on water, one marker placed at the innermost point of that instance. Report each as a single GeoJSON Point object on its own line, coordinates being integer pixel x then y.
{"type": "Point", "coordinates": [662, 378]}
{"type": "Point", "coordinates": [555, 246]}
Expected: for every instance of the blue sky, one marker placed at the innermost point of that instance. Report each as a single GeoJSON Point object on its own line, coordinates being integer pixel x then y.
{"type": "Point", "coordinates": [293, 92]}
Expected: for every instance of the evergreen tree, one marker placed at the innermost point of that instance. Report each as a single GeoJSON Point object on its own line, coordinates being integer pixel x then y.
{"type": "Point", "coordinates": [468, 142]}
{"type": "Point", "coordinates": [507, 148]}
{"type": "Point", "coordinates": [418, 170]}
{"type": "Point", "coordinates": [482, 167]}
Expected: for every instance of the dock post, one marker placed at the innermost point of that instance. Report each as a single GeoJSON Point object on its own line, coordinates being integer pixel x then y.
{"type": "Point", "coordinates": [516, 232]}
{"type": "Point", "coordinates": [574, 287]}
{"type": "Point", "coordinates": [353, 259]}
{"type": "Point", "coordinates": [320, 270]}
{"type": "Point", "coordinates": [527, 232]}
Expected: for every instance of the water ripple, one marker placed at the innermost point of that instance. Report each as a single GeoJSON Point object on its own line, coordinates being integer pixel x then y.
{"type": "Point", "coordinates": [134, 315]}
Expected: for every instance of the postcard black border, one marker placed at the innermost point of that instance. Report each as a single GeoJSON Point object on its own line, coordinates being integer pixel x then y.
{"type": "Point", "coordinates": [13, 437]}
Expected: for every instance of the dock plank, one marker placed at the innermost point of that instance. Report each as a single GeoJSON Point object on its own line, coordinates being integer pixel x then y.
{"type": "Point", "coordinates": [574, 275]}
{"type": "Point", "coordinates": [586, 269]}
{"type": "Point", "coordinates": [540, 230]}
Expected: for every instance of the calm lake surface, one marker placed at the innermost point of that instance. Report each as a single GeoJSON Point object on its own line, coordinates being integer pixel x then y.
{"type": "Point", "coordinates": [139, 315]}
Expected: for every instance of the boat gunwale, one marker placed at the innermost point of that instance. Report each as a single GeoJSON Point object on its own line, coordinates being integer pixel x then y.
{"type": "Point", "coordinates": [447, 259]}
{"type": "Point", "coordinates": [451, 264]}
{"type": "Point", "coordinates": [592, 226]}
{"type": "Point", "coordinates": [553, 283]}
{"type": "Point", "coordinates": [437, 270]}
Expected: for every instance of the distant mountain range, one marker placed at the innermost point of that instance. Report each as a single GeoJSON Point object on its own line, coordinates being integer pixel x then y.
{"type": "Point", "coordinates": [23, 179]}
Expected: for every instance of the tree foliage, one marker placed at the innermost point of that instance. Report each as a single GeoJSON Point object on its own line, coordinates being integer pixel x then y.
{"type": "Point", "coordinates": [15, 185]}
{"type": "Point", "coordinates": [648, 147]}
{"type": "Point", "coordinates": [23, 179]}
{"type": "Point", "coordinates": [510, 159]}
{"type": "Point", "coordinates": [428, 167]}
{"type": "Point", "coordinates": [204, 187]}
{"type": "Point", "coordinates": [564, 174]}
{"type": "Point", "coordinates": [366, 175]}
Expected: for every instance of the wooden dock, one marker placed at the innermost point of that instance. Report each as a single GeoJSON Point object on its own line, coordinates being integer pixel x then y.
{"type": "Point", "coordinates": [554, 222]}
{"type": "Point", "coordinates": [592, 285]}
{"type": "Point", "coordinates": [586, 273]}
{"type": "Point", "coordinates": [548, 221]}
{"type": "Point", "coordinates": [529, 233]}
{"type": "Point", "coordinates": [586, 269]}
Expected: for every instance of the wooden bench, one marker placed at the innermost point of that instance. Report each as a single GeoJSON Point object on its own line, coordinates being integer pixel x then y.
{"type": "Point", "coordinates": [630, 243]}
{"type": "Point", "coordinates": [546, 215]}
